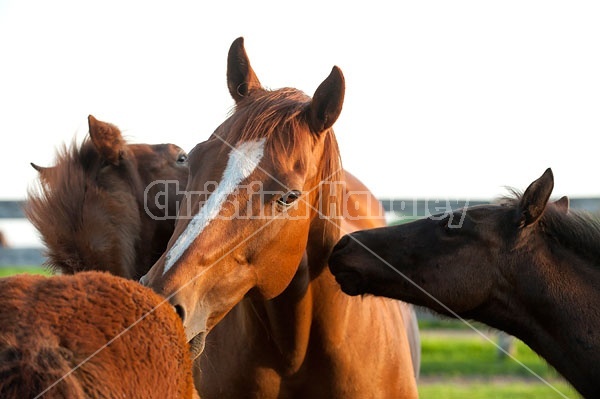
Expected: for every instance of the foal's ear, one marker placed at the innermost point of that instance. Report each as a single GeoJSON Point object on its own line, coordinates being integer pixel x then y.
{"type": "Point", "coordinates": [562, 204]}
{"type": "Point", "coordinates": [107, 139]}
{"type": "Point", "coordinates": [534, 200]}
{"type": "Point", "coordinates": [241, 78]}
{"type": "Point", "coordinates": [326, 104]}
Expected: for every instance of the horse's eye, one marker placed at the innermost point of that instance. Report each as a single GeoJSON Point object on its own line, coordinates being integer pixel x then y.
{"type": "Point", "coordinates": [182, 158]}
{"type": "Point", "coordinates": [289, 198]}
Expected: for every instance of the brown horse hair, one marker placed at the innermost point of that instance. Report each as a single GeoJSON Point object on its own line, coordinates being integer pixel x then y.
{"type": "Point", "coordinates": [34, 370]}
{"type": "Point", "coordinates": [91, 334]}
{"type": "Point", "coordinates": [277, 115]}
{"type": "Point", "coordinates": [70, 203]}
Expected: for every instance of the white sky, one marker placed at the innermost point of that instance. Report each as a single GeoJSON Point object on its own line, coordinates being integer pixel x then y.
{"type": "Point", "coordinates": [444, 99]}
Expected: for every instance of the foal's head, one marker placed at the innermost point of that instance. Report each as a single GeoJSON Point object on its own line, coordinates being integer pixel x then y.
{"type": "Point", "coordinates": [92, 207]}
{"type": "Point", "coordinates": [254, 197]}
{"type": "Point", "coordinates": [464, 259]}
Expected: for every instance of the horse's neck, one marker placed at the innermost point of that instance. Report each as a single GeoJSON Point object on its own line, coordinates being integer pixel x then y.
{"type": "Point", "coordinates": [124, 254]}
{"type": "Point", "coordinates": [560, 322]}
{"type": "Point", "coordinates": [154, 237]}
{"type": "Point", "coordinates": [112, 236]}
{"type": "Point", "coordinates": [288, 319]}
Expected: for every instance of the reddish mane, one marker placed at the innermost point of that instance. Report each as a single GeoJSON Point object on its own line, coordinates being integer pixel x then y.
{"type": "Point", "coordinates": [69, 201]}
{"type": "Point", "coordinates": [278, 116]}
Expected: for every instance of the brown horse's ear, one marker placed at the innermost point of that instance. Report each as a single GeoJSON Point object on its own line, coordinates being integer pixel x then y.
{"type": "Point", "coordinates": [107, 139]}
{"type": "Point", "coordinates": [241, 78]}
{"type": "Point", "coordinates": [43, 171]}
{"type": "Point", "coordinates": [39, 168]}
{"type": "Point", "coordinates": [534, 200]}
{"type": "Point", "coordinates": [562, 204]}
{"type": "Point", "coordinates": [327, 102]}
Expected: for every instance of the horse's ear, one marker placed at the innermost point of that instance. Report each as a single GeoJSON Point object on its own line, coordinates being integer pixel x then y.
{"type": "Point", "coordinates": [107, 139]}
{"type": "Point", "coordinates": [39, 168]}
{"type": "Point", "coordinates": [43, 171]}
{"type": "Point", "coordinates": [534, 200]}
{"type": "Point", "coordinates": [241, 78]}
{"type": "Point", "coordinates": [562, 204]}
{"type": "Point", "coordinates": [327, 102]}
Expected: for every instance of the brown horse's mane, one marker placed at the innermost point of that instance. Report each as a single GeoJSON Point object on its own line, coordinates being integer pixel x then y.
{"type": "Point", "coordinates": [69, 205]}
{"type": "Point", "coordinates": [275, 114]}
{"type": "Point", "coordinates": [577, 230]}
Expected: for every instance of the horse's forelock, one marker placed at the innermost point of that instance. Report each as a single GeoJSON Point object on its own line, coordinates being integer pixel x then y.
{"type": "Point", "coordinates": [274, 114]}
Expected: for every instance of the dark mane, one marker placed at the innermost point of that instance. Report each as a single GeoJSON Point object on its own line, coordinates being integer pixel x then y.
{"type": "Point", "coordinates": [577, 230]}
{"type": "Point", "coordinates": [81, 223]}
{"type": "Point", "coordinates": [278, 116]}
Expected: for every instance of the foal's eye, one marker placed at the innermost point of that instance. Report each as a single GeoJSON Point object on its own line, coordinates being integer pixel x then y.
{"type": "Point", "coordinates": [289, 198]}
{"type": "Point", "coordinates": [182, 158]}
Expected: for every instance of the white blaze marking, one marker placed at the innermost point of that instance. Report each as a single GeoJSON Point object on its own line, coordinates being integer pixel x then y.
{"type": "Point", "coordinates": [242, 162]}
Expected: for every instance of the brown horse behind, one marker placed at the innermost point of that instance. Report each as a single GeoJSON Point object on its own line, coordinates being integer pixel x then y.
{"type": "Point", "coordinates": [91, 335]}
{"type": "Point", "coordinates": [526, 266]}
{"type": "Point", "coordinates": [96, 209]}
{"type": "Point", "coordinates": [247, 263]}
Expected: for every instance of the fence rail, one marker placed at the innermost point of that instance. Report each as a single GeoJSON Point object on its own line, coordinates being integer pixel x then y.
{"type": "Point", "coordinates": [395, 208]}
{"type": "Point", "coordinates": [11, 209]}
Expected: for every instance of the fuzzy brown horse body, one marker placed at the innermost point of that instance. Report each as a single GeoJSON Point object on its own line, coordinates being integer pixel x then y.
{"type": "Point", "coordinates": [91, 335]}
{"type": "Point", "coordinates": [96, 208]}
{"type": "Point", "coordinates": [247, 261]}
{"type": "Point", "coordinates": [526, 266]}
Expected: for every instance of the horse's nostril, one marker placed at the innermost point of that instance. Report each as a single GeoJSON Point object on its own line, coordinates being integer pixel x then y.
{"type": "Point", "coordinates": [144, 280]}
{"type": "Point", "coordinates": [345, 240]}
{"type": "Point", "coordinates": [180, 310]}
{"type": "Point", "coordinates": [351, 282]}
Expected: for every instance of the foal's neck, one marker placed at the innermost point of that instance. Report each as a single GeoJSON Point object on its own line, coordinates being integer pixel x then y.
{"type": "Point", "coordinates": [559, 318]}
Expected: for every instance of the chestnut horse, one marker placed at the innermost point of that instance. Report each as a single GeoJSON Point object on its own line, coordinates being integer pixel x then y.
{"type": "Point", "coordinates": [91, 335]}
{"type": "Point", "coordinates": [248, 259]}
{"type": "Point", "coordinates": [93, 209]}
{"type": "Point", "coordinates": [528, 267]}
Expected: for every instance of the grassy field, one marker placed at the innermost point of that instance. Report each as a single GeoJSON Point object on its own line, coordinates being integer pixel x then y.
{"type": "Point", "coordinates": [494, 390]}
{"type": "Point", "coordinates": [9, 271]}
{"type": "Point", "coordinates": [459, 363]}
{"type": "Point", "coordinates": [440, 349]}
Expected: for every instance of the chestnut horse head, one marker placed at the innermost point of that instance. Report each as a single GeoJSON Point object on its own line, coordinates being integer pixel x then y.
{"type": "Point", "coordinates": [526, 266]}
{"type": "Point", "coordinates": [96, 208]}
{"type": "Point", "coordinates": [255, 193]}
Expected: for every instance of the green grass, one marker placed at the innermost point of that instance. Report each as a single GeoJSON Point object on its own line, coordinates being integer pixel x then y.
{"type": "Point", "coordinates": [9, 271]}
{"type": "Point", "coordinates": [484, 390]}
{"type": "Point", "coordinates": [471, 355]}
{"type": "Point", "coordinates": [461, 364]}
{"type": "Point", "coordinates": [428, 322]}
